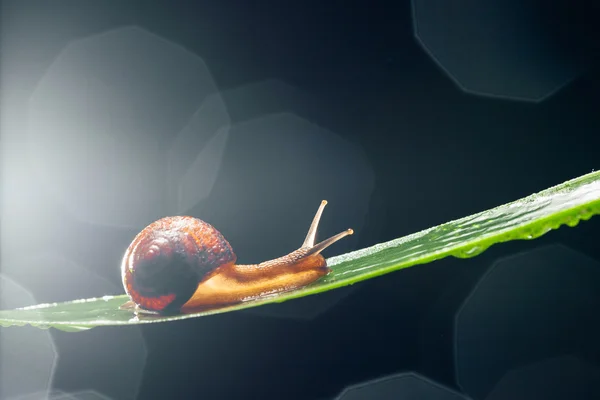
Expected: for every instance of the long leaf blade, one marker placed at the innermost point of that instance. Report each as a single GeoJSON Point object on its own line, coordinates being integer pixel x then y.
{"type": "Point", "coordinates": [527, 218]}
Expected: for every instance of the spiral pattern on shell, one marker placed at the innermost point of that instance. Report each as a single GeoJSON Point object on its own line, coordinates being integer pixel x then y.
{"type": "Point", "coordinates": [166, 261]}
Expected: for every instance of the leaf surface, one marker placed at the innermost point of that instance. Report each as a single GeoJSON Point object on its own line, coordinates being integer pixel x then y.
{"type": "Point", "coordinates": [527, 218]}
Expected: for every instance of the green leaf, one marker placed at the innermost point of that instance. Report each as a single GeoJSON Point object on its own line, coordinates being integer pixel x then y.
{"type": "Point", "coordinates": [528, 218]}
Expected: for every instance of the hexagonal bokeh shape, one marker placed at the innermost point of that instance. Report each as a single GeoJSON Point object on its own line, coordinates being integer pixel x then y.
{"type": "Point", "coordinates": [559, 378]}
{"type": "Point", "coordinates": [54, 277]}
{"type": "Point", "coordinates": [523, 310]}
{"type": "Point", "coordinates": [405, 386]}
{"type": "Point", "coordinates": [27, 355]}
{"type": "Point", "coordinates": [102, 118]}
{"type": "Point", "coordinates": [192, 173]}
{"type": "Point", "coordinates": [493, 48]}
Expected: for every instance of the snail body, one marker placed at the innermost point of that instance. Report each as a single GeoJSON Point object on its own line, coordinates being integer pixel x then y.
{"type": "Point", "coordinates": [182, 263]}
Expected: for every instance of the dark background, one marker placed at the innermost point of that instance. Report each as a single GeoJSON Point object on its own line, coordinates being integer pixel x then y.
{"type": "Point", "coordinates": [489, 103]}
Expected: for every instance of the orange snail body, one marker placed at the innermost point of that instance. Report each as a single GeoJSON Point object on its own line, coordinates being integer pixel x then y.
{"type": "Point", "coordinates": [182, 263]}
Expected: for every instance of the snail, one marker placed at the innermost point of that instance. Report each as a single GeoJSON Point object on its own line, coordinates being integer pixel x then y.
{"type": "Point", "coordinates": [181, 263]}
